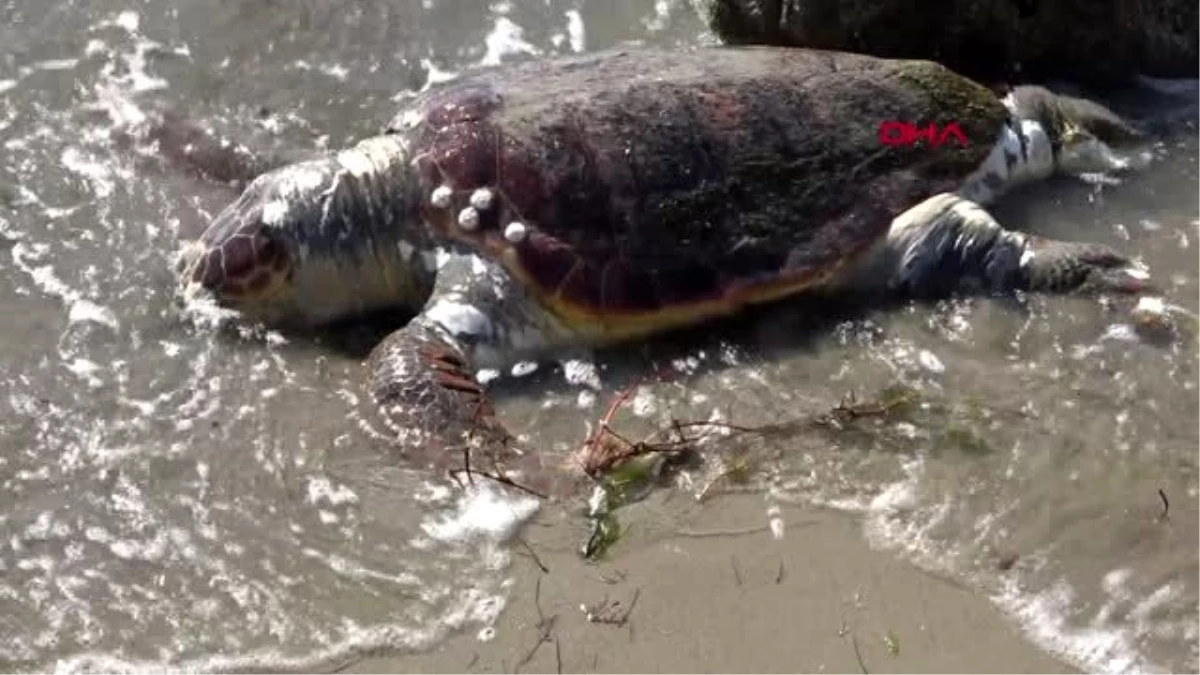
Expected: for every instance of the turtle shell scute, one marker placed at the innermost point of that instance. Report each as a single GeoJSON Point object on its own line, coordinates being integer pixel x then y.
{"type": "Point", "coordinates": [615, 281]}
{"type": "Point", "coordinates": [471, 154]}
{"type": "Point", "coordinates": [465, 102]}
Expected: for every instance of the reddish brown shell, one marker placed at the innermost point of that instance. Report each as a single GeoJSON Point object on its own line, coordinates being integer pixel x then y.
{"type": "Point", "coordinates": [660, 182]}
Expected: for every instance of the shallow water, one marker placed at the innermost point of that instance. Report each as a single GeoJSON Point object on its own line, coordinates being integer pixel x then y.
{"type": "Point", "coordinates": [174, 494]}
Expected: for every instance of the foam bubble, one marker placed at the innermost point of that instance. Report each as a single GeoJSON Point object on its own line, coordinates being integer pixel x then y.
{"type": "Point", "coordinates": [506, 39]}
{"type": "Point", "coordinates": [581, 373]}
{"type": "Point", "coordinates": [1043, 616]}
{"type": "Point", "coordinates": [86, 310]}
{"type": "Point", "coordinates": [482, 512]}
{"type": "Point", "coordinates": [645, 403]}
{"type": "Point", "coordinates": [575, 30]}
{"type": "Point", "coordinates": [929, 361]}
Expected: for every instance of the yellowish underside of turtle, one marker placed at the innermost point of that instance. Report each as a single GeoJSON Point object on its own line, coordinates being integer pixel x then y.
{"type": "Point", "coordinates": [601, 326]}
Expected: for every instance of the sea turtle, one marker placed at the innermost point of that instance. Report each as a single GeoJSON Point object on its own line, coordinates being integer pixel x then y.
{"type": "Point", "coordinates": [601, 198]}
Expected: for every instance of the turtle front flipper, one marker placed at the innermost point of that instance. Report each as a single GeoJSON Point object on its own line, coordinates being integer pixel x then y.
{"type": "Point", "coordinates": [422, 376]}
{"type": "Point", "coordinates": [424, 386]}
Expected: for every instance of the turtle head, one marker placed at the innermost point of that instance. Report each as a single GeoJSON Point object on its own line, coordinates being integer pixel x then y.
{"type": "Point", "coordinates": [1088, 137]}
{"type": "Point", "coordinates": [313, 243]}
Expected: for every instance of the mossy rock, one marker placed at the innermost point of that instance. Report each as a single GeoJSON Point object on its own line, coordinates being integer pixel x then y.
{"type": "Point", "coordinates": [1098, 41]}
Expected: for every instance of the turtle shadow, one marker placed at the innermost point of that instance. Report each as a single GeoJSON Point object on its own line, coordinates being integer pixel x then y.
{"type": "Point", "coordinates": [350, 339]}
{"type": "Point", "coordinates": [764, 333]}
{"type": "Point", "coordinates": [355, 338]}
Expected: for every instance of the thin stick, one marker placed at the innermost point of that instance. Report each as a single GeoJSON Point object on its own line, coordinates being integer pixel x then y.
{"type": "Point", "coordinates": [499, 478]}
{"type": "Point", "coordinates": [779, 576]}
{"type": "Point", "coordinates": [617, 401]}
{"type": "Point", "coordinates": [612, 432]}
{"type": "Point", "coordinates": [537, 601]}
{"type": "Point", "coordinates": [467, 464]}
{"type": "Point", "coordinates": [345, 665]}
{"type": "Point", "coordinates": [677, 426]}
{"type": "Point", "coordinates": [557, 657]}
{"type": "Point", "coordinates": [701, 534]}
{"type": "Point", "coordinates": [637, 593]}
{"type": "Point", "coordinates": [736, 573]}
{"type": "Point", "coordinates": [851, 409]}
{"type": "Point", "coordinates": [858, 654]}
{"type": "Point", "coordinates": [599, 612]}
{"type": "Point", "coordinates": [618, 577]}
{"type": "Point", "coordinates": [1166, 504]}
{"type": "Point", "coordinates": [536, 560]}
{"type": "Point", "coordinates": [545, 626]}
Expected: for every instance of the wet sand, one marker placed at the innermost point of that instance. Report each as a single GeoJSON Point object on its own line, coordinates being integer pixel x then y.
{"type": "Point", "coordinates": [817, 600]}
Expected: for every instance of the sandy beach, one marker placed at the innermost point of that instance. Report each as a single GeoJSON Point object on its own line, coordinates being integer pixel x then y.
{"type": "Point", "coordinates": [817, 600]}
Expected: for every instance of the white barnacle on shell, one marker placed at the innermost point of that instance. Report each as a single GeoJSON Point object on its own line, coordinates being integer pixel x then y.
{"type": "Point", "coordinates": [482, 199]}
{"type": "Point", "coordinates": [441, 196]}
{"type": "Point", "coordinates": [515, 232]}
{"type": "Point", "coordinates": [468, 218]}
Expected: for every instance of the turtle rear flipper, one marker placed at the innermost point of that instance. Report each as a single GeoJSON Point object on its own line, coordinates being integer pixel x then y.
{"type": "Point", "coordinates": [1066, 266]}
{"type": "Point", "coordinates": [949, 244]}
